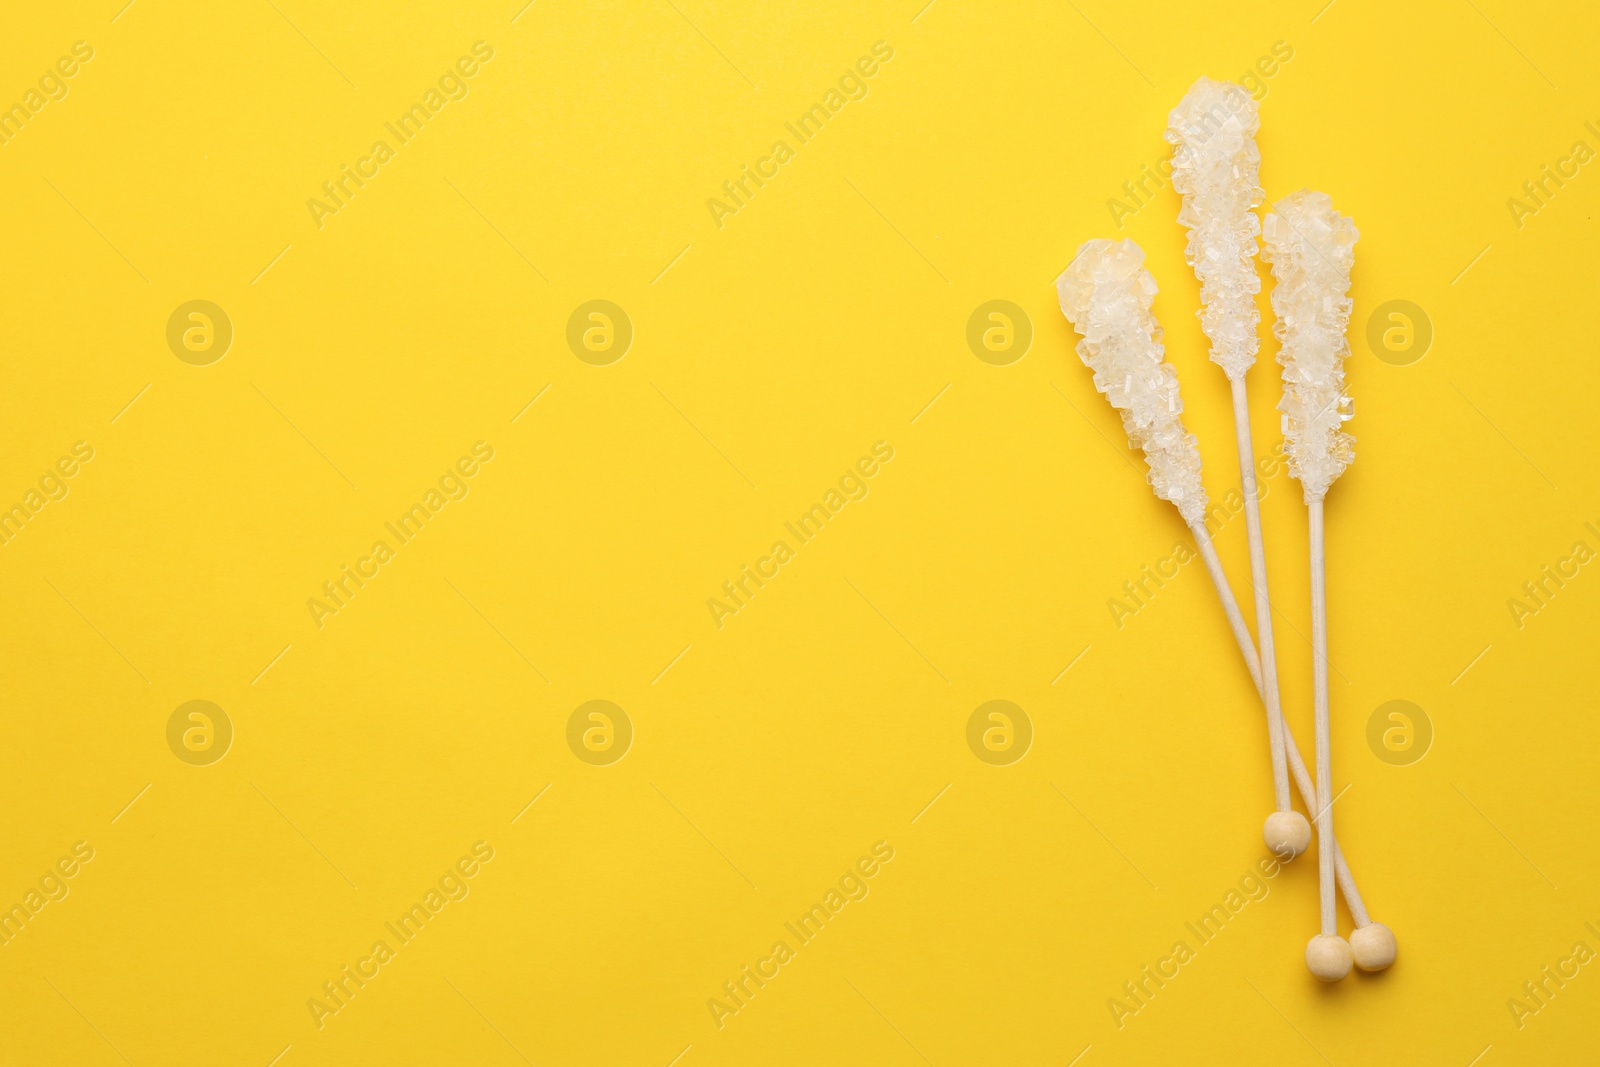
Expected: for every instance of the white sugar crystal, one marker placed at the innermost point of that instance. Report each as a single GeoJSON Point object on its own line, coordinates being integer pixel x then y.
{"type": "Point", "coordinates": [1217, 168]}
{"type": "Point", "coordinates": [1106, 293]}
{"type": "Point", "coordinates": [1311, 248]}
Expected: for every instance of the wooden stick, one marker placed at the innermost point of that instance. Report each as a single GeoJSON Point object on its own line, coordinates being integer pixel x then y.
{"type": "Point", "coordinates": [1286, 831]}
{"type": "Point", "coordinates": [1328, 955]}
{"type": "Point", "coordinates": [1319, 671]}
{"type": "Point", "coordinates": [1230, 606]}
{"type": "Point", "coordinates": [1258, 578]}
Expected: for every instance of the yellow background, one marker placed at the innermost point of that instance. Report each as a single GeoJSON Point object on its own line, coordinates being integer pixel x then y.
{"type": "Point", "coordinates": [768, 356]}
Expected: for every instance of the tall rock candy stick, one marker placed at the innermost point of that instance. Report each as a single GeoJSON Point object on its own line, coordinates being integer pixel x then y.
{"type": "Point", "coordinates": [1107, 293]}
{"type": "Point", "coordinates": [1312, 248]}
{"type": "Point", "coordinates": [1216, 167]}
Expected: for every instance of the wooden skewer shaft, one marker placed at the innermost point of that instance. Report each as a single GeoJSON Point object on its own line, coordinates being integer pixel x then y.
{"type": "Point", "coordinates": [1297, 766]}
{"type": "Point", "coordinates": [1258, 578]}
{"type": "Point", "coordinates": [1319, 645]}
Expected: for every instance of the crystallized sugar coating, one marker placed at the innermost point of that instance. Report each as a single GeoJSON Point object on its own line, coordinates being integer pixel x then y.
{"type": "Point", "coordinates": [1106, 293]}
{"type": "Point", "coordinates": [1311, 248]}
{"type": "Point", "coordinates": [1217, 168]}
